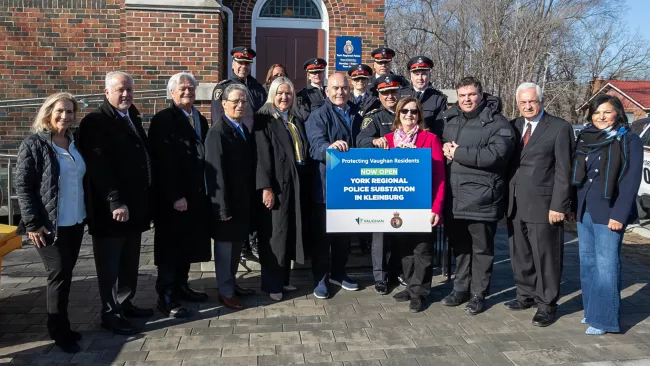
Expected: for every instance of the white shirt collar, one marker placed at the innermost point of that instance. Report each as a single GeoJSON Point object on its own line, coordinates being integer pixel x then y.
{"type": "Point", "coordinates": [235, 123]}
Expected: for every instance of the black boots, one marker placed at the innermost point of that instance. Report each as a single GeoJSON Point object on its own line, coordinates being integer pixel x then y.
{"type": "Point", "coordinates": [168, 305]}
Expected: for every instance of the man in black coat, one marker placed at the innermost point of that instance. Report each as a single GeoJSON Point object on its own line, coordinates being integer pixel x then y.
{"type": "Point", "coordinates": [118, 183]}
{"type": "Point", "coordinates": [478, 144]}
{"type": "Point", "coordinates": [230, 176]}
{"type": "Point", "coordinates": [183, 211]}
{"type": "Point", "coordinates": [539, 198]}
{"type": "Point", "coordinates": [433, 101]}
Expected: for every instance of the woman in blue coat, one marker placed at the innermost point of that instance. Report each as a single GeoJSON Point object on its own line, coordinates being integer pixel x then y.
{"type": "Point", "coordinates": [607, 171]}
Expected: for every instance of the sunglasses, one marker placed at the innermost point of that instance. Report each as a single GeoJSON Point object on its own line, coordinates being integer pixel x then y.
{"type": "Point", "coordinates": [406, 111]}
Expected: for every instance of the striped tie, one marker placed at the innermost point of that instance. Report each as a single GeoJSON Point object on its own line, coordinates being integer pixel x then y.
{"type": "Point", "coordinates": [191, 118]}
{"type": "Point", "coordinates": [297, 143]}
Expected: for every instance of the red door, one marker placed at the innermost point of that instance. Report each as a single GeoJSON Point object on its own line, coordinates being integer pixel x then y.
{"type": "Point", "coordinates": [290, 47]}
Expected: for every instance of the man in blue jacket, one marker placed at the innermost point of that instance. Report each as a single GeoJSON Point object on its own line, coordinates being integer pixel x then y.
{"type": "Point", "coordinates": [333, 126]}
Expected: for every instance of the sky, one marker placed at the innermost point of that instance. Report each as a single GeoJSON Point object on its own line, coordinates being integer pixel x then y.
{"type": "Point", "coordinates": [637, 16]}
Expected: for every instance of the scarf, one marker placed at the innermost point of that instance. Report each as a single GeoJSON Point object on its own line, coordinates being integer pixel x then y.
{"type": "Point", "coordinates": [614, 154]}
{"type": "Point", "coordinates": [400, 137]}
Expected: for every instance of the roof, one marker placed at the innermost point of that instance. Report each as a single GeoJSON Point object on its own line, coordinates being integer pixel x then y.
{"type": "Point", "coordinates": [637, 91]}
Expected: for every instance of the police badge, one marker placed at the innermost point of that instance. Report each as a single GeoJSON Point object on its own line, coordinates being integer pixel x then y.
{"type": "Point", "coordinates": [366, 122]}
{"type": "Point", "coordinates": [348, 48]}
{"type": "Point", "coordinates": [396, 222]}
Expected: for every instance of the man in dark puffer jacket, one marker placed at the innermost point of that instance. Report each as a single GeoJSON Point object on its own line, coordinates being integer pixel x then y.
{"type": "Point", "coordinates": [478, 143]}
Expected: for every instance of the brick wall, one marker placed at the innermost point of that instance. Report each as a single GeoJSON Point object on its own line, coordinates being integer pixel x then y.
{"type": "Point", "coordinates": [48, 46]}
{"type": "Point", "coordinates": [362, 18]}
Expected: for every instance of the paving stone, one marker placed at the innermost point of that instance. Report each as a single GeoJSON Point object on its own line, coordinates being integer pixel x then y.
{"type": "Point", "coordinates": [627, 351]}
{"type": "Point", "coordinates": [178, 332]}
{"type": "Point", "coordinates": [542, 357]}
{"type": "Point", "coordinates": [495, 347]}
{"type": "Point", "coordinates": [40, 359]}
{"type": "Point", "coordinates": [358, 355]}
{"type": "Point", "coordinates": [294, 311]}
{"type": "Point", "coordinates": [468, 349]}
{"type": "Point", "coordinates": [355, 324]}
{"type": "Point", "coordinates": [228, 361]}
{"type": "Point", "coordinates": [317, 357]}
{"type": "Point", "coordinates": [213, 331]}
{"type": "Point", "coordinates": [273, 339]}
{"type": "Point", "coordinates": [544, 344]}
{"type": "Point", "coordinates": [460, 360]}
{"type": "Point", "coordinates": [362, 363]}
{"type": "Point", "coordinates": [399, 362]}
{"type": "Point", "coordinates": [278, 360]}
{"type": "Point", "coordinates": [166, 343]}
{"type": "Point", "coordinates": [333, 347]}
{"type": "Point", "coordinates": [594, 353]}
{"type": "Point", "coordinates": [236, 350]}
{"type": "Point", "coordinates": [490, 359]}
{"type": "Point", "coordinates": [154, 363]}
{"type": "Point", "coordinates": [421, 352]}
{"type": "Point", "coordinates": [121, 356]}
{"type": "Point", "coordinates": [116, 344]}
{"type": "Point", "coordinates": [232, 322]}
{"type": "Point", "coordinates": [380, 345]}
{"type": "Point", "coordinates": [297, 348]}
{"type": "Point", "coordinates": [201, 342]}
{"type": "Point", "coordinates": [277, 321]}
{"type": "Point", "coordinates": [315, 326]}
{"type": "Point", "coordinates": [317, 336]}
{"type": "Point", "coordinates": [183, 354]}
{"type": "Point", "coordinates": [505, 337]}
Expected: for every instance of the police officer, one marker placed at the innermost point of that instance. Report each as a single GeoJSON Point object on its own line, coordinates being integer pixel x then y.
{"type": "Point", "coordinates": [313, 95]}
{"type": "Point", "coordinates": [242, 58]}
{"type": "Point", "coordinates": [383, 59]}
{"type": "Point", "coordinates": [433, 101]}
{"type": "Point", "coordinates": [361, 95]}
{"type": "Point", "coordinates": [375, 125]}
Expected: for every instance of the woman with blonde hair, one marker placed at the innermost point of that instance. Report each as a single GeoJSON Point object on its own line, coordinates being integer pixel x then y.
{"type": "Point", "coordinates": [49, 186]}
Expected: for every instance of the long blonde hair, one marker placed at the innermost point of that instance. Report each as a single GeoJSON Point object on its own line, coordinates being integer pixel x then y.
{"type": "Point", "coordinates": [42, 120]}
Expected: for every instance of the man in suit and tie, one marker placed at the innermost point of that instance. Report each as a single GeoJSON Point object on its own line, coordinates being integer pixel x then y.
{"type": "Point", "coordinates": [539, 199]}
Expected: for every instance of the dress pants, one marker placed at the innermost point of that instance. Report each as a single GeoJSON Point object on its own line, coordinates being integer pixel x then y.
{"type": "Point", "coordinates": [226, 262]}
{"type": "Point", "coordinates": [473, 245]}
{"type": "Point", "coordinates": [536, 253]}
{"type": "Point", "coordinates": [59, 258]}
{"type": "Point", "coordinates": [386, 259]}
{"type": "Point", "coordinates": [172, 276]}
{"type": "Point", "coordinates": [416, 251]}
{"type": "Point", "coordinates": [330, 254]}
{"type": "Point", "coordinates": [117, 260]}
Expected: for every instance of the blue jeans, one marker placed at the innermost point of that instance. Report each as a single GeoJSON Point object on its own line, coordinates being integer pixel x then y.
{"type": "Point", "coordinates": [600, 273]}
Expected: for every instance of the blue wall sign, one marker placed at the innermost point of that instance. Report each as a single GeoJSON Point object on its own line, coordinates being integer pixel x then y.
{"type": "Point", "coordinates": [377, 190]}
{"type": "Point", "coordinates": [348, 52]}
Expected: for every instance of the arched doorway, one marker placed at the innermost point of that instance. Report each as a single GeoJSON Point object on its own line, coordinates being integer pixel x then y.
{"type": "Point", "coordinates": [288, 32]}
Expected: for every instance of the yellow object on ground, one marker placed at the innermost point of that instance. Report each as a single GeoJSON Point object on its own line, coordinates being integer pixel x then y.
{"type": "Point", "coordinates": [8, 241]}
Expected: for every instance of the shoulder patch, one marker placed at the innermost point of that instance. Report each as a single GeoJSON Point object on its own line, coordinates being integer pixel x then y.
{"type": "Point", "coordinates": [224, 81]}
{"type": "Point", "coordinates": [366, 122]}
{"type": "Point", "coordinates": [372, 111]}
{"type": "Point", "coordinates": [505, 132]}
{"type": "Point", "coordinates": [217, 94]}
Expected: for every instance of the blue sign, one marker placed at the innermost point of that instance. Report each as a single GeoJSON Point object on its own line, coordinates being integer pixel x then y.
{"type": "Point", "coordinates": [377, 190]}
{"type": "Point", "coordinates": [348, 52]}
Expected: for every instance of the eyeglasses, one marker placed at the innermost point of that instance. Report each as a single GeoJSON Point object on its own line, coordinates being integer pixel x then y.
{"type": "Point", "coordinates": [406, 111]}
{"type": "Point", "coordinates": [237, 101]}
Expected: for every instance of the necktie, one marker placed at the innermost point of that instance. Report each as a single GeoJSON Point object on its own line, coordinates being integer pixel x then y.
{"type": "Point", "coordinates": [146, 153]}
{"type": "Point", "coordinates": [241, 132]}
{"type": "Point", "coordinates": [191, 119]}
{"type": "Point", "coordinates": [418, 95]}
{"type": "Point", "coordinates": [527, 133]}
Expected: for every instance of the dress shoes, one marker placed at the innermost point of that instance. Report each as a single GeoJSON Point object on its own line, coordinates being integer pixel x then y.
{"type": "Point", "coordinates": [136, 312]}
{"type": "Point", "coordinates": [544, 317]}
{"type": "Point", "coordinates": [243, 291]}
{"type": "Point", "coordinates": [517, 305]}
{"type": "Point", "coordinates": [417, 304]}
{"type": "Point", "coordinates": [186, 293]}
{"type": "Point", "coordinates": [118, 324]}
{"type": "Point", "coordinates": [231, 302]}
{"type": "Point", "coordinates": [402, 296]}
{"type": "Point", "coordinates": [170, 307]}
{"type": "Point", "coordinates": [381, 287]}
{"type": "Point", "coordinates": [475, 305]}
{"type": "Point", "coordinates": [455, 298]}
{"type": "Point", "coordinates": [67, 345]}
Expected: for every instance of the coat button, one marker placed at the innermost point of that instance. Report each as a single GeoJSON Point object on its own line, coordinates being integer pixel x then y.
{"type": "Point", "coordinates": [596, 170]}
{"type": "Point", "coordinates": [591, 180]}
{"type": "Point", "coordinates": [137, 145]}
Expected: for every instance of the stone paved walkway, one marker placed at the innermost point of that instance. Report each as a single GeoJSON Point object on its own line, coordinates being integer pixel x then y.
{"type": "Point", "coordinates": [350, 328]}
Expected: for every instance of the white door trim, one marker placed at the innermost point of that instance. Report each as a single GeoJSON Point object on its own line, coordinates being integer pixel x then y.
{"type": "Point", "coordinates": [265, 22]}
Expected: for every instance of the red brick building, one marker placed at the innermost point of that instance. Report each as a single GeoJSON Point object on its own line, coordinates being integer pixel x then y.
{"type": "Point", "coordinates": [48, 46]}
{"type": "Point", "coordinates": [633, 94]}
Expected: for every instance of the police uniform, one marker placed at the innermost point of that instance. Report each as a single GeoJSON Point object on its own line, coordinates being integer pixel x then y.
{"type": "Point", "coordinates": [377, 123]}
{"type": "Point", "coordinates": [380, 55]}
{"type": "Point", "coordinates": [432, 100]}
{"type": "Point", "coordinates": [256, 92]}
{"type": "Point", "coordinates": [310, 97]}
{"type": "Point", "coordinates": [368, 101]}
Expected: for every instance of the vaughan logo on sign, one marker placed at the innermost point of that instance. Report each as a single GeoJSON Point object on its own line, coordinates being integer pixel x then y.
{"type": "Point", "coordinates": [362, 221]}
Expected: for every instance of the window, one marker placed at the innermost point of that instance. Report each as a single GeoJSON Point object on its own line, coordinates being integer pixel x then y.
{"type": "Point", "coordinates": [303, 9]}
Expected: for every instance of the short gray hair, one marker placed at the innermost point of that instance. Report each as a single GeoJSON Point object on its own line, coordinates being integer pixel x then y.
{"type": "Point", "coordinates": [275, 85]}
{"type": "Point", "coordinates": [524, 86]}
{"type": "Point", "coordinates": [177, 78]}
{"type": "Point", "coordinates": [232, 88]}
{"type": "Point", "coordinates": [108, 81]}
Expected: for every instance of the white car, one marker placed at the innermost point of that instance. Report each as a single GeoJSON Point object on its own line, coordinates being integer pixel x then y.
{"type": "Point", "coordinates": [643, 198]}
